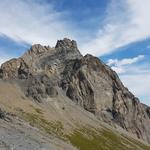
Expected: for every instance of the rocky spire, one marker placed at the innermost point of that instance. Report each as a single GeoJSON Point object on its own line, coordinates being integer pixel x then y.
{"type": "Point", "coordinates": [68, 49]}
{"type": "Point", "coordinates": [66, 43]}
{"type": "Point", "coordinates": [38, 49]}
{"type": "Point", "coordinates": [40, 56]}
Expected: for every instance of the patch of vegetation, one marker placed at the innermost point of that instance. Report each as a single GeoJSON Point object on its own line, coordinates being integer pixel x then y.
{"type": "Point", "coordinates": [49, 127]}
{"type": "Point", "coordinates": [38, 110]}
{"type": "Point", "coordinates": [138, 143]}
{"type": "Point", "coordinates": [90, 139]}
{"type": "Point", "coordinates": [86, 138]}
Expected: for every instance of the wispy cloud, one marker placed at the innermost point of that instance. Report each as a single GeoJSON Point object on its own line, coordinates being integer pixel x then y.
{"type": "Point", "coordinates": [125, 61]}
{"type": "Point", "coordinates": [4, 57]}
{"type": "Point", "coordinates": [33, 22]}
{"type": "Point", "coordinates": [138, 84]}
{"type": "Point", "coordinates": [134, 74]}
{"type": "Point", "coordinates": [121, 66]}
{"type": "Point", "coordinates": [126, 22]}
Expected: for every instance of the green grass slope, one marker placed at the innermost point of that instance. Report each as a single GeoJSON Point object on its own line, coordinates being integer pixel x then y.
{"type": "Point", "coordinates": [87, 138]}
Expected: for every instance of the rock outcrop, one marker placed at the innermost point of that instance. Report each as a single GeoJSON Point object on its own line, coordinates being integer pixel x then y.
{"type": "Point", "coordinates": [2, 114]}
{"type": "Point", "coordinates": [85, 80]}
{"type": "Point", "coordinates": [41, 87]}
{"type": "Point", "coordinates": [97, 88]}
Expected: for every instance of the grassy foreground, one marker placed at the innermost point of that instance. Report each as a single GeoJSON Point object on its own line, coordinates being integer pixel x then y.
{"type": "Point", "coordinates": [86, 138]}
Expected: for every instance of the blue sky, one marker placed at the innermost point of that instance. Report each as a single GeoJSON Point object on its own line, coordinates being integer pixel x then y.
{"type": "Point", "coordinates": [116, 31]}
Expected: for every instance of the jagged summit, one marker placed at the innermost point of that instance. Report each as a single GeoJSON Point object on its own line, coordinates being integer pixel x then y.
{"type": "Point", "coordinates": [85, 80]}
{"type": "Point", "coordinates": [66, 43]}
{"type": "Point", "coordinates": [39, 57]}
{"type": "Point", "coordinates": [38, 49]}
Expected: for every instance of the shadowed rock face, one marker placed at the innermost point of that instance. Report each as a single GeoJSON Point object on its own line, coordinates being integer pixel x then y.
{"type": "Point", "coordinates": [40, 87]}
{"type": "Point", "coordinates": [2, 114]}
{"type": "Point", "coordinates": [98, 89]}
{"type": "Point", "coordinates": [85, 80]}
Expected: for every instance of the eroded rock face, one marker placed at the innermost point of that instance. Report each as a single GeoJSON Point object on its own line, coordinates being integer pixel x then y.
{"type": "Point", "coordinates": [147, 111]}
{"type": "Point", "coordinates": [98, 89]}
{"type": "Point", "coordinates": [1, 73]}
{"type": "Point", "coordinates": [41, 59]}
{"type": "Point", "coordinates": [84, 84]}
{"type": "Point", "coordinates": [85, 80]}
{"type": "Point", "coordinates": [2, 114]}
{"type": "Point", "coordinates": [15, 68]}
{"type": "Point", "coordinates": [10, 69]}
{"type": "Point", "coordinates": [40, 88]}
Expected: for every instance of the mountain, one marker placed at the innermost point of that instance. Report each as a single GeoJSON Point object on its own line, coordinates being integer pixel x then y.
{"type": "Point", "coordinates": [73, 101]}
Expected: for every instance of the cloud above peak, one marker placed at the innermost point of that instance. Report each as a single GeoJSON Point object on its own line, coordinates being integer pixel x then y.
{"type": "Point", "coordinates": [36, 21]}
{"type": "Point", "coordinates": [32, 22]}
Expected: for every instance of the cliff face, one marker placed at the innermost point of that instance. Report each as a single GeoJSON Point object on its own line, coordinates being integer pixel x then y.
{"type": "Point", "coordinates": [85, 80]}
{"type": "Point", "coordinates": [98, 89]}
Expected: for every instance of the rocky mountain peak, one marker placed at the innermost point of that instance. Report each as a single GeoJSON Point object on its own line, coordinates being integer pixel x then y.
{"type": "Point", "coordinates": [87, 81]}
{"type": "Point", "coordinates": [38, 49]}
{"type": "Point", "coordinates": [67, 43]}
{"type": "Point", "coordinates": [39, 57]}
{"type": "Point", "coordinates": [69, 48]}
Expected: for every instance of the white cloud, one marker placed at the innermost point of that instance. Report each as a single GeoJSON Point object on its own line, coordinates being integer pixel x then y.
{"type": "Point", "coordinates": [4, 58]}
{"type": "Point", "coordinates": [125, 61]}
{"type": "Point", "coordinates": [121, 66]}
{"type": "Point", "coordinates": [139, 85]}
{"type": "Point", "coordinates": [29, 21]}
{"type": "Point", "coordinates": [119, 70]}
{"type": "Point", "coordinates": [32, 22]}
{"type": "Point", "coordinates": [126, 22]}
{"type": "Point", "coordinates": [129, 61]}
{"type": "Point", "coordinates": [134, 76]}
